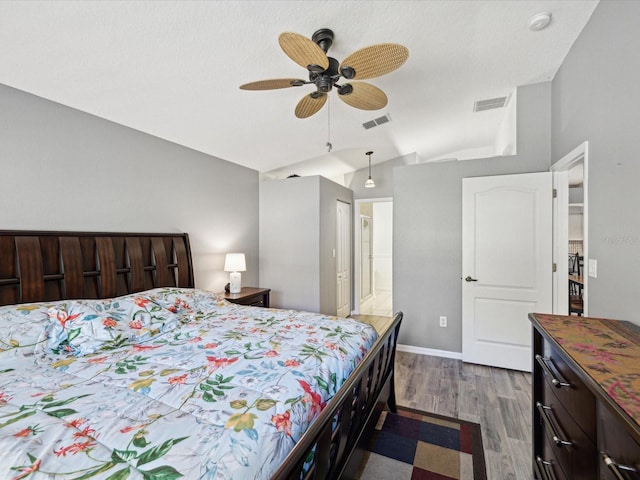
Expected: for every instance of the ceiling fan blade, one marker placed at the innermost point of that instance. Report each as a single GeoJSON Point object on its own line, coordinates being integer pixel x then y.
{"type": "Point", "coordinates": [303, 51]}
{"type": "Point", "coordinates": [310, 105]}
{"type": "Point", "coordinates": [365, 97]}
{"type": "Point", "coordinates": [271, 84]}
{"type": "Point", "coordinates": [376, 60]}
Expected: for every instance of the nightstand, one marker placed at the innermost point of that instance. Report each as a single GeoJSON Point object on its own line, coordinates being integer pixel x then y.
{"type": "Point", "coordinates": [255, 297]}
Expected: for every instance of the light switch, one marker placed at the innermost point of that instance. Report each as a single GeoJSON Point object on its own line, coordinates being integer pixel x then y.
{"type": "Point", "coordinates": [593, 268]}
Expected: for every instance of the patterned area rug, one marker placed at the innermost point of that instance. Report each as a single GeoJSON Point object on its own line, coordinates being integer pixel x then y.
{"type": "Point", "coordinates": [415, 445]}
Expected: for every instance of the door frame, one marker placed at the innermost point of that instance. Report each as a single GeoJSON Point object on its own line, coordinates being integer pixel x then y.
{"type": "Point", "coordinates": [559, 171]}
{"type": "Point", "coordinates": [338, 253]}
{"type": "Point", "coordinates": [356, 247]}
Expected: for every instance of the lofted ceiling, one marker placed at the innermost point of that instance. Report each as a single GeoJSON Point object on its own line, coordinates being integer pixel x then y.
{"type": "Point", "coordinates": [173, 69]}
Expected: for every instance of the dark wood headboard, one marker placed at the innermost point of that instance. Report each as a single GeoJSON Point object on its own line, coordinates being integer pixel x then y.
{"type": "Point", "coordinates": [46, 266]}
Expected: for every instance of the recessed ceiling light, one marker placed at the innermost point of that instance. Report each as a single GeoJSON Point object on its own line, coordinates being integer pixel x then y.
{"type": "Point", "coordinates": [539, 21]}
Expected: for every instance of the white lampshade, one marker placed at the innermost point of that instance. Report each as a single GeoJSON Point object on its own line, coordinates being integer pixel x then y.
{"type": "Point", "coordinates": [234, 262]}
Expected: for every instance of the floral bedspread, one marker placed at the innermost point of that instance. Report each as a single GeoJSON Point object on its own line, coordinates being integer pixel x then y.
{"type": "Point", "coordinates": [164, 384]}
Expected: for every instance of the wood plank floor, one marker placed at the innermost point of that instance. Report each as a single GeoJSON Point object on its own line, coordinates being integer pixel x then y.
{"type": "Point", "coordinates": [498, 399]}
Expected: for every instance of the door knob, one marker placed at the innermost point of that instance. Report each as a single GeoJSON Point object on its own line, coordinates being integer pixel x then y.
{"type": "Point", "coordinates": [469, 279]}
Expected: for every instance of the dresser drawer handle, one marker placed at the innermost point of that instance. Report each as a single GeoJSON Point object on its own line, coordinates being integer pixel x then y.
{"type": "Point", "coordinates": [545, 469]}
{"type": "Point", "coordinates": [557, 382]}
{"type": "Point", "coordinates": [547, 421]}
{"type": "Point", "coordinates": [616, 467]}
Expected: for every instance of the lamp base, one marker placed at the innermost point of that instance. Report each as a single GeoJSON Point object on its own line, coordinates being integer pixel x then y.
{"type": "Point", "coordinates": [234, 282]}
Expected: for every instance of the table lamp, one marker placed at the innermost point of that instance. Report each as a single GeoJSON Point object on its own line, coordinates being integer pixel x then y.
{"type": "Point", "coordinates": [234, 263]}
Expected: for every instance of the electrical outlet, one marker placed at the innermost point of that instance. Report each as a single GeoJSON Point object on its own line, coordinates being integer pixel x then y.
{"type": "Point", "coordinates": [443, 321]}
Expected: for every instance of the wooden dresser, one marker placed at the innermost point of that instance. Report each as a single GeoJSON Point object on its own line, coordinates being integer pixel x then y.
{"type": "Point", "coordinates": [586, 398]}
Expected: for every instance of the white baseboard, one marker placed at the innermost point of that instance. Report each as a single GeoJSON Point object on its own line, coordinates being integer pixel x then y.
{"type": "Point", "coordinates": [429, 351]}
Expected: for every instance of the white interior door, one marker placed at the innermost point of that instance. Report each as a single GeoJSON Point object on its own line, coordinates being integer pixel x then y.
{"type": "Point", "coordinates": [343, 259]}
{"type": "Point", "coordinates": [366, 258]}
{"type": "Point", "coordinates": [506, 265]}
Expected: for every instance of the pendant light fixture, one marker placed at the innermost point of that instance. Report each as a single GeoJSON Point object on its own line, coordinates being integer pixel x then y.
{"type": "Point", "coordinates": [369, 183]}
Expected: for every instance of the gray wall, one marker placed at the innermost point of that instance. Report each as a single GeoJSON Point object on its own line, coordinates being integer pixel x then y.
{"type": "Point", "coordinates": [289, 242]}
{"type": "Point", "coordinates": [427, 216]}
{"type": "Point", "coordinates": [382, 174]}
{"type": "Point", "coordinates": [63, 169]}
{"type": "Point", "coordinates": [330, 193]}
{"type": "Point", "coordinates": [596, 98]}
{"type": "Point", "coordinates": [297, 238]}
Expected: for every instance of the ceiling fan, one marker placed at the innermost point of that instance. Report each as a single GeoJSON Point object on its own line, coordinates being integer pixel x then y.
{"type": "Point", "coordinates": [325, 72]}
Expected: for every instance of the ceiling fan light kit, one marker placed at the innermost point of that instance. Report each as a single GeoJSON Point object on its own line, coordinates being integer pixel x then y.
{"type": "Point", "coordinates": [325, 72]}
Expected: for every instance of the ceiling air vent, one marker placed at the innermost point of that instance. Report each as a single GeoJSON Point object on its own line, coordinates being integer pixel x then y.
{"type": "Point", "coordinates": [490, 103]}
{"type": "Point", "coordinates": [376, 121]}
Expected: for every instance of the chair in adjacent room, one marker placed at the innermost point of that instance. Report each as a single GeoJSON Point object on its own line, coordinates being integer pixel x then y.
{"type": "Point", "coordinates": [576, 303]}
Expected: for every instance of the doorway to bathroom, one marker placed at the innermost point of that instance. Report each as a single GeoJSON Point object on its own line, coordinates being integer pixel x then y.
{"type": "Point", "coordinates": [373, 258]}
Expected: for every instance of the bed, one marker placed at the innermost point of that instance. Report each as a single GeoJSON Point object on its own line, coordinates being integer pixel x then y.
{"type": "Point", "coordinates": [112, 365]}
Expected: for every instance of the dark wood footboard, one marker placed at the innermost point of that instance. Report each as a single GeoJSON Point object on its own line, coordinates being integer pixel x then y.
{"type": "Point", "coordinates": [336, 434]}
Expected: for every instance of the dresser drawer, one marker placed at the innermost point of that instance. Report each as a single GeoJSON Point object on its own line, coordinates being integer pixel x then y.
{"type": "Point", "coordinates": [575, 452]}
{"type": "Point", "coordinates": [257, 302]}
{"type": "Point", "coordinates": [619, 452]}
{"type": "Point", "coordinates": [546, 466]}
{"type": "Point", "coordinates": [569, 389]}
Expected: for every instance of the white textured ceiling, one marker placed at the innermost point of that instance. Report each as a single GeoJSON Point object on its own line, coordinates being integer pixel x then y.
{"type": "Point", "coordinates": [173, 68]}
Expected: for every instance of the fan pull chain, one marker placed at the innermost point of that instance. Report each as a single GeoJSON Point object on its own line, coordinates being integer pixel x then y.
{"type": "Point", "coordinates": [329, 145]}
